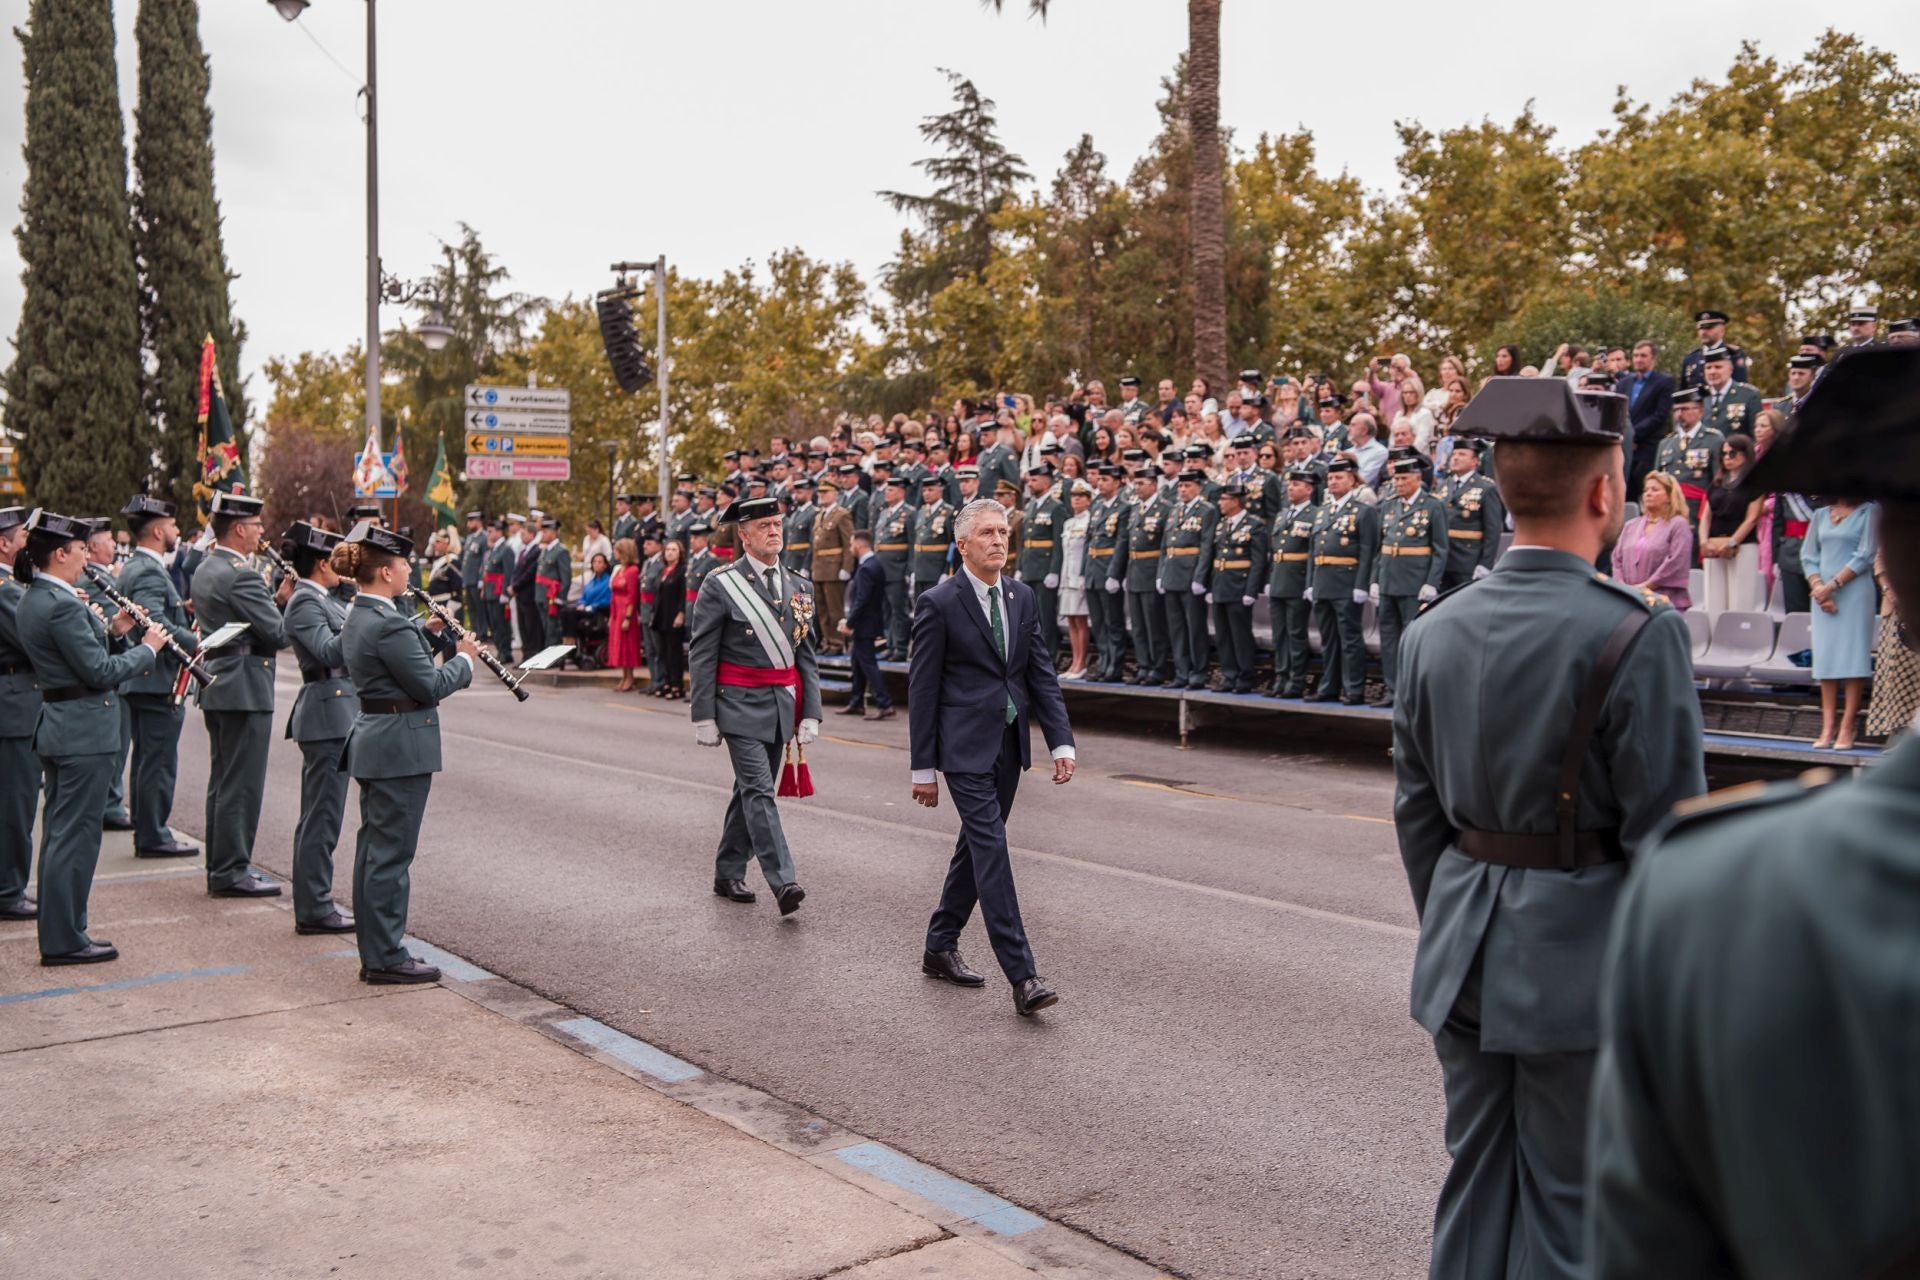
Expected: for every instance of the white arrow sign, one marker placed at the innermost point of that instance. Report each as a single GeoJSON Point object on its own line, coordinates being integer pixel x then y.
{"type": "Point", "coordinates": [518, 422]}
{"type": "Point", "coordinates": [551, 399]}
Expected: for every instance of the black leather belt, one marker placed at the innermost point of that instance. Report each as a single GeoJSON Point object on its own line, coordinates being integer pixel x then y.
{"type": "Point", "coordinates": [262, 651]}
{"type": "Point", "coordinates": [1505, 849]}
{"type": "Point", "coordinates": [72, 694]}
{"type": "Point", "coordinates": [390, 706]}
{"type": "Point", "coordinates": [317, 674]}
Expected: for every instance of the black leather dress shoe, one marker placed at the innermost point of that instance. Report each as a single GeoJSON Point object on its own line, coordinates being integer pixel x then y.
{"type": "Point", "coordinates": [1321, 695]}
{"type": "Point", "coordinates": [171, 849]}
{"type": "Point", "coordinates": [733, 890]}
{"type": "Point", "coordinates": [884, 713]}
{"type": "Point", "coordinates": [949, 967]}
{"type": "Point", "coordinates": [252, 886]}
{"type": "Point", "coordinates": [790, 899]}
{"type": "Point", "coordinates": [851, 709]}
{"type": "Point", "coordinates": [92, 953]}
{"type": "Point", "coordinates": [112, 823]}
{"type": "Point", "coordinates": [1033, 995]}
{"type": "Point", "coordinates": [1382, 703]}
{"type": "Point", "coordinates": [332, 922]}
{"type": "Point", "coordinates": [1353, 701]}
{"type": "Point", "coordinates": [409, 972]}
{"type": "Point", "coordinates": [21, 909]}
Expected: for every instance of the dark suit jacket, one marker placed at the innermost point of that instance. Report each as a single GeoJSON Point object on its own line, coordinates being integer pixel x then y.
{"type": "Point", "coordinates": [1651, 415]}
{"type": "Point", "coordinates": [866, 609]}
{"type": "Point", "coordinates": [958, 686]}
{"type": "Point", "coordinates": [525, 568]}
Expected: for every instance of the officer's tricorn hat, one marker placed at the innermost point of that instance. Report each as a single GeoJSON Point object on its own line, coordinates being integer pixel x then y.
{"type": "Point", "coordinates": [1235, 490]}
{"type": "Point", "coordinates": [390, 541]}
{"type": "Point", "coordinates": [751, 509]}
{"type": "Point", "coordinates": [1477, 447]}
{"type": "Point", "coordinates": [235, 504]}
{"type": "Point", "coordinates": [52, 523]}
{"type": "Point", "coordinates": [1716, 352]}
{"type": "Point", "coordinates": [1543, 411]}
{"type": "Point", "coordinates": [1857, 435]}
{"type": "Point", "coordinates": [301, 536]}
{"type": "Point", "coordinates": [364, 510]}
{"type": "Point", "coordinates": [1406, 466]}
{"type": "Point", "coordinates": [699, 529]}
{"type": "Point", "coordinates": [1687, 395]}
{"type": "Point", "coordinates": [1195, 475]}
{"type": "Point", "coordinates": [12, 518]}
{"type": "Point", "coordinates": [1305, 475]}
{"type": "Point", "coordinates": [927, 480]}
{"type": "Point", "coordinates": [1805, 360]}
{"type": "Point", "coordinates": [1343, 464]}
{"type": "Point", "coordinates": [142, 508]}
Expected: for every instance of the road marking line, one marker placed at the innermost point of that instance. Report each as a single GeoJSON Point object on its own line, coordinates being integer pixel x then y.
{"type": "Point", "coordinates": [638, 1054]}
{"type": "Point", "coordinates": [1361, 817]}
{"type": "Point", "coordinates": [450, 965]}
{"type": "Point", "coordinates": [807, 812]}
{"type": "Point", "coordinates": [190, 869]}
{"type": "Point", "coordinates": [125, 984]}
{"type": "Point", "coordinates": [855, 742]}
{"type": "Point", "coordinates": [982, 1208]}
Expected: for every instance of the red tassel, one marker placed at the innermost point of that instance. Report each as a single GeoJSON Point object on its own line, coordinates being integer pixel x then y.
{"type": "Point", "coordinates": [789, 781]}
{"type": "Point", "coordinates": [804, 783]}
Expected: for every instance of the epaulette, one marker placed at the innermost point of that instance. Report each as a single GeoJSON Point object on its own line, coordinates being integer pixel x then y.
{"type": "Point", "coordinates": [1744, 798]}
{"type": "Point", "coordinates": [801, 574]}
{"type": "Point", "coordinates": [1450, 591]}
{"type": "Point", "coordinates": [1646, 597]}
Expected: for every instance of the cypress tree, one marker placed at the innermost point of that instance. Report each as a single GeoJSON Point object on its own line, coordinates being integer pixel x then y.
{"type": "Point", "coordinates": [73, 389]}
{"type": "Point", "coordinates": [176, 229]}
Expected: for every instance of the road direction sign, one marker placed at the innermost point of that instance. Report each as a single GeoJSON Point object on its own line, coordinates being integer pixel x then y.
{"type": "Point", "coordinates": [551, 399]}
{"type": "Point", "coordinates": [488, 468]}
{"type": "Point", "coordinates": [519, 446]}
{"type": "Point", "coordinates": [535, 422]}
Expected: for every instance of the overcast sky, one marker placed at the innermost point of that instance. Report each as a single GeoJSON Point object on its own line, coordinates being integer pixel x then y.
{"type": "Point", "coordinates": [572, 133]}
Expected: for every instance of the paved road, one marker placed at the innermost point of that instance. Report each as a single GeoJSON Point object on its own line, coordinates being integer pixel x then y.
{"type": "Point", "coordinates": [1229, 1087]}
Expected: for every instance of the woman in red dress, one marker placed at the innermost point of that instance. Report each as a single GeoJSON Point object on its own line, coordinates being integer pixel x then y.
{"type": "Point", "coordinates": [623, 626]}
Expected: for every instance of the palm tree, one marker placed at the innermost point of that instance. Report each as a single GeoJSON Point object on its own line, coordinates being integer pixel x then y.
{"type": "Point", "coordinates": [1206, 209]}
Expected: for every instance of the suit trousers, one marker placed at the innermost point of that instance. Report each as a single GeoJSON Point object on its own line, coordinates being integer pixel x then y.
{"type": "Point", "coordinates": [981, 872]}
{"type": "Point", "coordinates": [526, 615]}
{"type": "Point", "coordinates": [156, 760]}
{"type": "Point", "coordinates": [1187, 635]}
{"type": "Point", "coordinates": [1106, 614]}
{"type": "Point", "coordinates": [866, 673]}
{"type": "Point", "coordinates": [390, 813]}
{"type": "Point", "coordinates": [899, 620]}
{"type": "Point", "coordinates": [75, 789]}
{"type": "Point", "coordinates": [1233, 633]}
{"type": "Point", "coordinates": [752, 827]}
{"type": "Point", "coordinates": [19, 796]}
{"type": "Point", "coordinates": [236, 784]}
{"type": "Point", "coordinates": [831, 607]}
{"type": "Point", "coordinates": [323, 807]}
{"type": "Point", "coordinates": [1516, 1130]}
{"type": "Point", "coordinates": [1291, 647]}
{"type": "Point", "coordinates": [502, 631]}
{"type": "Point", "coordinates": [1396, 615]}
{"type": "Point", "coordinates": [1149, 635]}
{"type": "Point", "coordinates": [1343, 664]}
{"type": "Point", "coordinates": [116, 803]}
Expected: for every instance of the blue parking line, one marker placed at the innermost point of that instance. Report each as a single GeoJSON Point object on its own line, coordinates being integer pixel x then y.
{"type": "Point", "coordinates": [125, 984]}
{"type": "Point", "coordinates": [638, 1054]}
{"type": "Point", "coordinates": [982, 1208]}
{"type": "Point", "coordinates": [450, 965]}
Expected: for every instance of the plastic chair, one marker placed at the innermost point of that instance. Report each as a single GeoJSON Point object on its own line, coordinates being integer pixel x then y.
{"type": "Point", "coordinates": [1740, 640]}
{"type": "Point", "coordinates": [1697, 586]}
{"type": "Point", "coordinates": [1700, 627]}
{"type": "Point", "coordinates": [1796, 634]}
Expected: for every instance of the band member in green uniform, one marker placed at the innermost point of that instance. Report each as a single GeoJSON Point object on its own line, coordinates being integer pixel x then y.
{"type": "Point", "coordinates": [154, 714]}
{"type": "Point", "coordinates": [393, 748]}
{"type": "Point", "coordinates": [238, 705]}
{"type": "Point", "coordinates": [322, 718]}
{"type": "Point", "coordinates": [77, 736]}
{"type": "Point", "coordinates": [19, 710]}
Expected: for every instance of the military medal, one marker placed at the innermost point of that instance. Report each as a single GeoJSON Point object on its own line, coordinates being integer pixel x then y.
{"type": "Point", "coordinates": [802, 616]}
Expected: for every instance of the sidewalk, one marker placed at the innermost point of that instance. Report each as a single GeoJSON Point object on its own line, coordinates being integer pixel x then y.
{"type": "Point", "coordinates": [229, 1100]}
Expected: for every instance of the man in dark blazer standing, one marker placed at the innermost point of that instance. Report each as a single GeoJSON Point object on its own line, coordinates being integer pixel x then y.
{"type": "Point", "coordinates": [1649, 394]}
{"type": "Point", "coordinates": [980, 668]}
{"type": "Point", "coordinates": [864, 622]}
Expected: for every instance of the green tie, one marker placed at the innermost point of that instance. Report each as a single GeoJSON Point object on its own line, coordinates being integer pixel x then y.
{"type": "Point", "coordinates": [1000, 640]}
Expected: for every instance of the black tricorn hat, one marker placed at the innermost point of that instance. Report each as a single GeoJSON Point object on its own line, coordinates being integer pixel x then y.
{"type": "Point", "coordinates": [364, 509]}
{"type": "Point", "coordinates": [1543, 411]}
{"type": "Point", "coordinates": [1304, 475]}
{"type": "Point", "coordinates": [41, 520]}
{"type": "Point", "coordinates": [142, 507]}
{"type": "Point", "coordinates": [750, 509]}
{"type": "Point", "coordinates": [391, 541]}
{"type": "Point", "coordinates": [1856, 436]}
{"type": "Point", "coordinates": [12, 518]}
{"type": "Point", "coordinates": [235, 504]}
{"type": "Point", "coordinates": [301, 536]}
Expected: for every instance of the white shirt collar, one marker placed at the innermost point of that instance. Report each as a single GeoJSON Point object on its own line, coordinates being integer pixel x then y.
{"type": "Point", "coordinates": [980, 587]}
{"type": "Point", "coordinates": [61, 583]}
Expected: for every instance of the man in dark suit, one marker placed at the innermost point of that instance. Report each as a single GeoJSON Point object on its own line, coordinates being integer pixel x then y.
{"type": "Point", "coordinates": [1649, 394]}
{"type": "Point", "coordinates": [980, 668]}
{"type": "Point", "coordinates": [864, 622]}
{"type": "Point", "coordinates": [526, 606]}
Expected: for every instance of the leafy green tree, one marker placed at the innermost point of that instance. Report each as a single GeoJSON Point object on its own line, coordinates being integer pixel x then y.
{"type": "Point", "coordinates": [73, 389]}
{"type": "Point", "coordinates": [1598, 314]}
{"type": "Point", "coordinates": [176, 225]}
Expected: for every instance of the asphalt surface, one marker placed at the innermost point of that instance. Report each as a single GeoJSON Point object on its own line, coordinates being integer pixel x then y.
{"type": "Point", "coordinates": [1230, 1086]}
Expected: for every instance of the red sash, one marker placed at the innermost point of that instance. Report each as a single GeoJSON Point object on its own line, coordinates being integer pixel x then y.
{"type": "Point", "coordinates": [553, 594]}
{"type": "Point", "coordinates": [496, 582]}
{"type": "Point", "coordinates": [1693, 493]}
{"type": "Point", "coordinates": [1796, 528]}
{"type": "Point", "coordinates": [725, 553]}
{"type": "Point", "coordinates": [797, 782]}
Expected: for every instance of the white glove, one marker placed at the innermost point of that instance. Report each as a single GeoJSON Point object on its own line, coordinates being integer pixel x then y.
{"type": "Point", "coordinates": [706, 732]}
{"type": "Point", "coordinates": [1209, 597]}
{"type": "Point", "coordinates": [1359, 596]}
{"type": "Point", "coordinates": [1307, 595]}
{"type": "Point", "coordinates": [1480, 571]}
{"type": "Point", "coordinates": [1200, 589]}
{"type": "Point", "coordinates": [1113, 586]}
{"type": "Point", "coordinates": [1051, 581]}
{"type": "Point", "coordinates": [807, 732]}
{"type": "Point", "coordinates": [845, 576]}
{"type": "Point", "coordinates": [1373, 593]}
{"type": "Point", "coordinates": [1161, 587]}
{"type": "Point", "coordinates": [1246, 602]}
{"type": "Point", "coordinates": [909, 582]}
{"type": "Point", "coordinates": [1428, 593]}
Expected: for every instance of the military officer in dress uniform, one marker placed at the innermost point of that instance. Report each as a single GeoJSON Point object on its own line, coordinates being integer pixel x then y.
{"type": "Point", "coordinates": [1291, 540]}
{"type": "Point", "coordinates": [77, 733]}
{"type": "Point", "coordinates": [679, 515]}
{"type": "Point", "coordinates": [852, 499]}
{"type": "Point", "coordinates": [700, 559]}
{"type": "Point", "coordinates": [393, 746]}
{"type": "Point", "coordinates": [1043, 551]}
{"type": "Point", "coordinates": [19, 710]}
{"type": "Point", "coordinates": [832, 565]}
{"type": "Point", "coordinates": [1475, 516]}
{"type": "Point", "coordinates": [798, 550]}
{"type": "Point", "coordinates": [1406, 573]}
{"type": "Point", "coordinates": [625, 523]}
{"type": "Point", "coordinates": [100, 560]}
{"type": "Point", "coordinates": [999, 460]}
{"type": "Point", "coordinates": [893, 543]}
{"type": "Point", "coordinates": [238, 705]}
{"type": "Point", "coordinates": [1756, 1106]}
{"type": "Point", "coordinates": [1264, 489]}
{"type": "Point", "coordinates": [473, 568]}
{"type": "Point", "coordinates": [952, 482]}
{"type": "Point", "coordinates": [1346, 538]}
{"type": "Point", "coordinates": [1146, 531]}
{"type": "Point", "coordinates": [1239, 577]}
{"type": "Point", "coordinates": [1186, 564]}
{"type": "Point", "coordinates": [913, 471]}
{"type": "Point", "coordinates": [755, 688]}
{"type": "Point", "coordinates": [1111, 517]}
{"type": "Point", "coordinates": [1730, 406]}
{"type": "Point", "coordinates": [154, 715]}
{"type": "Point", "coordinates": [1711, 325]}
{"type": "Point", "coordinates": [1304, 448]}
{"type": "Point", "coordinates": [553, 576]}
{"type": "Point", "coordinates": [1691, 454]}
{"type": "Point", "coordinates": [1863, 333]}
{"type": "Point", "coordinates": [322, 719]}
{"type": "Point", "coordinates": [499, 579]}
{"type": "Point", "coordinates": [932, 538]}
{"type": "Point", "coordinates": [1333, 430]}
{"type": "Point", "coordinates": [1546, 721]}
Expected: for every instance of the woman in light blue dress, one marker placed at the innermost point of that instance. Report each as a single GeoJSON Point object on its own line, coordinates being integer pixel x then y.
{"type": "Point", "coordinates": [1838, 555]}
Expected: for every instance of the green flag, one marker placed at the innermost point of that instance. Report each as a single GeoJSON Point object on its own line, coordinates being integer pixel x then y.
{"type": "Point", "coordinates": [440, 489]}
{"type": "Point", "coordinates": [220, 467]}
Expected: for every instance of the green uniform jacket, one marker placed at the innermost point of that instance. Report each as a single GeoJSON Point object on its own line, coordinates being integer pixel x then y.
{"type": "Point", "coordinates": [1107, 535]}
{"type": "Point", "coordinates": [1186, 555]}
{"type": "Point", "coordinates": [389, 656]}
{"type": "Point", "coordinates": [893, 540]}
{"type": "Point", "coordinates": [857, 506]}
{"type": "Point", "coordinates": [227, 588]}
{"type": "Point", "coordinates": [499, 564]}
{"type": "Point", "coordinates": [650, 587]}
{"type": "Point", "coordinates": [932, 543]}
{"type": "Point", "coordinates": [19, 687]}
{"type": "Point", "coordinates": [146, 582]}
{"type": "Point", "coordinates": [679, 522]}
{"type": "Point", "coordinates": [1346, 538]}
{"type": "Point", "coordinates": [627, 526]}
{"type": "Point", "coordinates": [701, 564]}
{"type": "Point", "coordinates": [1290, 541]}
{"type": "Point", "coordinates": [473, 557]}
{"type": "Point", "coordinates": [997, 463]}
{"type": "Point", "coordinates": [1413, 544]}
{"type": "Point", "coordinates": [1736, 410]}
{"type": "Point", "coordinates": [796, 552]}
{"type": "Point", "coordinates": [1756, 1101]}
{"type": "Point", "coordinates": [1694, 461]}
{"type": "Point", "coordinates": [324, 708]}
{"type": "Point", "coordinates": [556, 566]}
{"type": "Point", "coordinates": [68, 648]}
{"type": "Point", "coordinates": [913, 473]}
{"type": "Point", "coordinates": [1146, 531]}
{"type": "Point", "coordinates": [753, 632]}
{"type": "Point", "coordinates": [1239, 558]}
{"type": "Point", "coordinates": [1475, 520]}
{"type": "Point", "coordinates": [1489, 680]}
{"type": "Point", "coordinates": [1042, 550]}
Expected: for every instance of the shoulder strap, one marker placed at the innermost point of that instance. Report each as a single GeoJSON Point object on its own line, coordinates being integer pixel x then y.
{"type": "Point", "coordinates": [1566, 796]}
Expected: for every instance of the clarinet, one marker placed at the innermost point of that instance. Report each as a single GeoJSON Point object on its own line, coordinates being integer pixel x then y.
{"type": "Point", "coordinates": [190, 662]}
{"type": "Point", "coordinates": [459, 632]}
{"type": "Point", "coordinates": [280, 567]}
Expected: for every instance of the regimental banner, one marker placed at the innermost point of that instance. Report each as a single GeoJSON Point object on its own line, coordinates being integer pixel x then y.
{"type": "Point", "coordinates": [491, 468]}
{"type": "Point", "coordinates": [520, 446]}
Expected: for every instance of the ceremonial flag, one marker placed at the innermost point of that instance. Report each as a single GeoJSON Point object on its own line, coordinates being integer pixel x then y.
{"type": "Point", "coordinates": [440, 489]}
{"type": "Point", "coordinates": [220, 469]}
{"type": "Point", "coordinates": [370, 476]}
{"type": "Point", "coordinates": [397, 464]}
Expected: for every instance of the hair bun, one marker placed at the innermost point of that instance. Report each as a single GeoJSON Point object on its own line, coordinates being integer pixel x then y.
{"type": "Point", "coordinates": [346, 559]}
